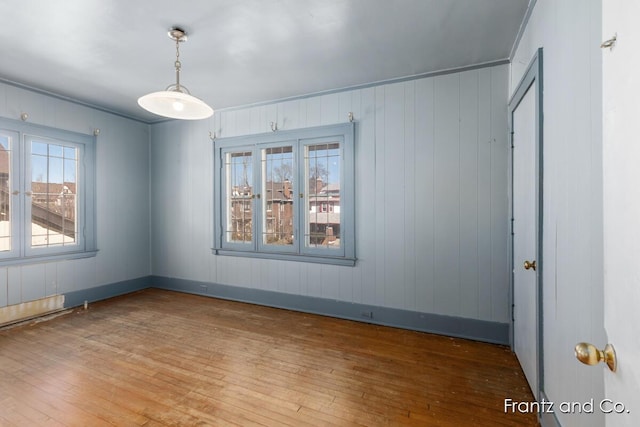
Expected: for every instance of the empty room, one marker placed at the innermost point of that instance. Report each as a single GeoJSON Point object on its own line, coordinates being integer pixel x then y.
{"type": "Point", "coordinates": [319, 212]}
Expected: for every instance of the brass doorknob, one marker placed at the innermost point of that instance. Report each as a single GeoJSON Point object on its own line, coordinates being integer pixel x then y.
{"type": "Point", "coordinates": [530, 265]}
{"type": "Point", "coordinates": [590, 355]}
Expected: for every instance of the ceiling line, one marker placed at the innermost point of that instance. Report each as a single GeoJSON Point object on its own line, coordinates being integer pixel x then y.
{"type": "Point", "coordinates": [263, 103]}
{"type": "Point", "coordinates": [523, 26]}
{"type": "Point", "coordinates": [372, 84]}
{"type": "Point", "coordinates": [72, 100]}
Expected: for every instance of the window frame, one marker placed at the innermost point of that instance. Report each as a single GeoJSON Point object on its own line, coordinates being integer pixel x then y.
{"type": "Point", "coordinates": [22, 252]}
{"type": "Point", "coordinates": [298, 139]}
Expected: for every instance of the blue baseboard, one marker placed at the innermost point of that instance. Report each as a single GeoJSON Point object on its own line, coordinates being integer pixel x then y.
{"type": "Point", "coordinates": [77, 298]}
{"type": "Point", "coordinates": [479, 330]}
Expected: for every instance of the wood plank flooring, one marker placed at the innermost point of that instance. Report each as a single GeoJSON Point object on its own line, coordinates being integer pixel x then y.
{"type": "Point", "coordinates": [159, 358]}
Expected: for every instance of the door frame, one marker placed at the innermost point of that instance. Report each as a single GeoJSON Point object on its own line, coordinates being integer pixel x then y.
{"type": "Point", "coordinates": [532, 75]}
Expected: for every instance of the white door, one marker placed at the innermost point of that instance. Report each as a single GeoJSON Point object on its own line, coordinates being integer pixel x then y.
{"type": "Point", "coordinates": [621, 146]}
{"type": "Point", "coordinates": [525, 291]}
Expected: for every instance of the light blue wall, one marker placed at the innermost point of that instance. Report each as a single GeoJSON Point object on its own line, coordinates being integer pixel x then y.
{"type": "Point", "coordinates": [431, 197]}
{"type": "Point", "coordinates": [431, 171]}
{"type": "Point", "coordinates": [122, 154]}
{"type": "Point", "coordinates": [569, 32]}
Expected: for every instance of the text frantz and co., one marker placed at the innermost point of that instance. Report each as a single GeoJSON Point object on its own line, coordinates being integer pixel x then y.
{"type": "Point", "coordinates": [606, 406]}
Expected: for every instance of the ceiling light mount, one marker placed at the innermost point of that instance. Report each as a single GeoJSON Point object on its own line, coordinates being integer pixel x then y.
{"type": "Point", "coordinates": [177, 34]}
{"type": "Point", "coordinates": [176, 101]}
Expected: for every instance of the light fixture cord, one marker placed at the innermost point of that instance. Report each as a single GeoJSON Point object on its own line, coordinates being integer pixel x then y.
{"type": "Point", "coordinates": [178, 65]}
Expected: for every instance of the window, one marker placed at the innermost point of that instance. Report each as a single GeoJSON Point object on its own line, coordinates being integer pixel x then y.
{"type": "Point", "coordinates": [287, 195]}
{"type": "Point", "coordinates": [47, 200]}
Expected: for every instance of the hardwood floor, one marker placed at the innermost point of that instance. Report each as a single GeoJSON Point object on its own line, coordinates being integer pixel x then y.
{"type": "Point", "coordinates": [159, 358]}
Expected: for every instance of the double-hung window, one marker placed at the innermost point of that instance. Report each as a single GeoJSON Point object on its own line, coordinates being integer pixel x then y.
{"type": "Point", "coordinates": [47, 193]}
{"type": "Point", "coordinates": [287, 195]}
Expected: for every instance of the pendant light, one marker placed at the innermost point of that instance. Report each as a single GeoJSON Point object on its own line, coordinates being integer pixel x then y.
{"type": "Point", "coordinates": [175, 101]}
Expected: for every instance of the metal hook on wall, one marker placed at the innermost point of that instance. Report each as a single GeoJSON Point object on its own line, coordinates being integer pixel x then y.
{"type": "Point", "coordinates": [350, 115]}
{"type": "Point", "coordinates": [24, 117]}
{"type": "Point", "coordinates": [610, 43]}
{"type": "Point", "coordinates": [274, 127]}
{"type": "Point", "coordinates": [212, 137]}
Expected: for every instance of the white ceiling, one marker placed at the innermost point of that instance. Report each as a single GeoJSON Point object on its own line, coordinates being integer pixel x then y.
{"type": "Point", "coordinates": [109, 52]}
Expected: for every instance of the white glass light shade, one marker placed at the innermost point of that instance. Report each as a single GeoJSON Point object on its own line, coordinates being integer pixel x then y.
{"type": "Point", "coordinates": [175, 105]}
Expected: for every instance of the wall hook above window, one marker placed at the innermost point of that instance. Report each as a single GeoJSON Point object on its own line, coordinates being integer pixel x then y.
{"type": "Point", "coordinates": [274, 126]}
{"type": "Point", "coordinates": [610, 43]}
{"type": "Point", "coordinates": [24, 117]}
{"type": "Point", "coordinates": [350, 115]}
{"type": "Point", "coordinates": [212, 137]}
{"type": "Point", "coordinates": [96, 132]}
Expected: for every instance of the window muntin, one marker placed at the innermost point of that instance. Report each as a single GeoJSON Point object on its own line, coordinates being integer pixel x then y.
{"type": "Point", "coordinates": [47, 193]}
{"type": "Point", "coordinates": [296, 194]}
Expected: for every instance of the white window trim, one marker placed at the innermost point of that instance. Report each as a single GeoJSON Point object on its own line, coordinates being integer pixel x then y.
{"type": "Point", "coordinates": [298, 138]}
{"type": "Point", "coordinates": [22, 252]}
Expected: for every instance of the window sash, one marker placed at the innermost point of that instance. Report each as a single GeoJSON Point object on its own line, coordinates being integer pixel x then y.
{"type": "Point", "coordinates": [10, 243]}
{"type": "Point", "coordinates": [319, 238]}
{"type": "Point", "coordinates": [238, 208]}
{"type": "Point", "coordinates": [49, 232]}
{"type": "Point", "coordinates": [280, 224]}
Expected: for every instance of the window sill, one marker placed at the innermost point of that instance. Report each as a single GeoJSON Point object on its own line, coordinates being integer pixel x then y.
{"type": "Point", "coordinates": [46, 258]}
{"type": "Point", "coordinates": [316, 259]}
